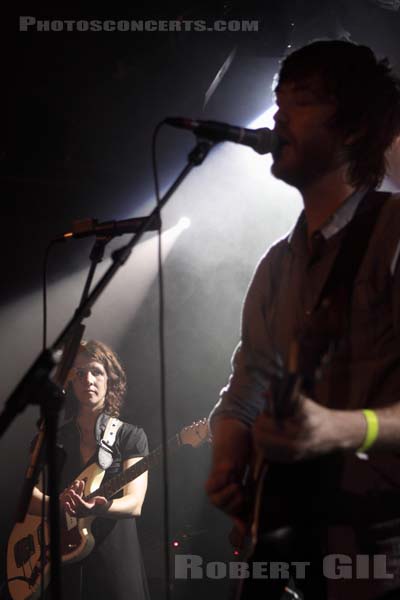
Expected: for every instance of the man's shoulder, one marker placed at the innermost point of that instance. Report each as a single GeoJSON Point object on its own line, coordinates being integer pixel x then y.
{"type": "Point", "coordinates": [276, 251]}
{"type": "Point", "coordinates": [271, 263]}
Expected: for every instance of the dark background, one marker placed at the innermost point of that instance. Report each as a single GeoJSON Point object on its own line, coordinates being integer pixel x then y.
{"type": "Point", "coordinates": [77, 114]}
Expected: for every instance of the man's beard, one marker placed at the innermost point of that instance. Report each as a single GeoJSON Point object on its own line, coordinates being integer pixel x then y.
{"type": "Point", "coordinates": [312, 163]}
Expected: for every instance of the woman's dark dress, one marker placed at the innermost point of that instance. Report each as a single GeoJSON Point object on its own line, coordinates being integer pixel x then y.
{"type": "Point", "coordinates": [114, 569]}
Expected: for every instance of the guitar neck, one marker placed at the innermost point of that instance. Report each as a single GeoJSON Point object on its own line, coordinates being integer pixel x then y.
{"type": "Point", "coordinates": [110, 487]}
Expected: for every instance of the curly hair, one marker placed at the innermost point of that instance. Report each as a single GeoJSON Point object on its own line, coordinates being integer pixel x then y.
{"type": "Point", "coordinates": [116, 378]}
{"type": "Point", "coordinates": [367, 95]}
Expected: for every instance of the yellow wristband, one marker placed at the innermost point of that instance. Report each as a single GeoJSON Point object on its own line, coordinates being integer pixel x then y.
{"type": "Point", "coordinates": [372, 430]}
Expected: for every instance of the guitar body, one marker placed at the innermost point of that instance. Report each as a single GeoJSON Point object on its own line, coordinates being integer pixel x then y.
{"type": "Point", "coordinates": [25, 545]}
{"type": "Point", "coordinates": [278, 493]}
{"type": "Point", "coordinates": [24, 559]}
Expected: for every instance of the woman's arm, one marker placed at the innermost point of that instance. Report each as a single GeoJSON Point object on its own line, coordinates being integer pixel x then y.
{"type": "Point", "coordinates": [35, 506]}
{"type": "Point", "coordinates": [129, 505]}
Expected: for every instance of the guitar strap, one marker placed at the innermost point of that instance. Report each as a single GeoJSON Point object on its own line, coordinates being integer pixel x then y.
{"type": "Point", "coordinates": [332, 326]}
{"type": "Point", "coordinates": [353, 249]}
{"type": "Point", "coordinates": [329, 326]}
{"type": "Point", "coordinates": [106, 433]}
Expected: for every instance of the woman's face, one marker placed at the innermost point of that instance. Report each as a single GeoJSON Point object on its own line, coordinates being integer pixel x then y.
{"type": "Point", "coordinates": [89, 382]}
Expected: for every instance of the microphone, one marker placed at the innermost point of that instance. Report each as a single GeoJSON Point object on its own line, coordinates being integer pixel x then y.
{"type": "Point", "coordinates": [86, 227]}
{"type": "Point", "coordinates": [261, 140]}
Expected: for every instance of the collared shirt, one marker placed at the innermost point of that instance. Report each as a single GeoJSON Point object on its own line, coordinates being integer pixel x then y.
{"type": "Point", "coordinates": [344, 214]}
{"type": "Point", "coordinates": [281, 299]}
{"type": "Point", "coordinates": [283, 292]}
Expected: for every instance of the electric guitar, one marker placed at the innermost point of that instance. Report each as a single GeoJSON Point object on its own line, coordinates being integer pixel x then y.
{"type": "Point", "coordinates": [28, 549]}
{"type": "Point", "coordinates": [274, 489]}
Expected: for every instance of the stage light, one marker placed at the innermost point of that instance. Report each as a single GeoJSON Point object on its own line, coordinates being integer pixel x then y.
{"type": "Point", "coordinates": [184, 223]}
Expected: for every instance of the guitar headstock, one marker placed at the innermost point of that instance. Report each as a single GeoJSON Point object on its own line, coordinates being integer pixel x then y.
{"type": "Point", "coordinates": [195, 434]}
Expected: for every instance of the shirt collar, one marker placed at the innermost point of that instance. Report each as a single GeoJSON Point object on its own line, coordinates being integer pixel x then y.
{"type": "Point", "coordinates": [336, 222]}
{"type": "Point", "coordinates": [344, 214]}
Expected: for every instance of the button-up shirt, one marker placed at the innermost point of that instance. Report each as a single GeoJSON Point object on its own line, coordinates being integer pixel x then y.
{"type": "Point", "coordinates": [283, 293]}
{"type": "Point", "coordinates": [281, 298]}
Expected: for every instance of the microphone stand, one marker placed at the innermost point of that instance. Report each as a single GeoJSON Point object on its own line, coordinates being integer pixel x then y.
{"type": "Point", "coordinates": [96, 256]}
{"type": "Point", "coordinates": [37, 385]}
{"type": "Point", "coordinates": [49, 426]}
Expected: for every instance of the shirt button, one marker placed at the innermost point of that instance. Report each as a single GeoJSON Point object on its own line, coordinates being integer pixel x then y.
{"type": "Point", "coordinates": [308, 313]}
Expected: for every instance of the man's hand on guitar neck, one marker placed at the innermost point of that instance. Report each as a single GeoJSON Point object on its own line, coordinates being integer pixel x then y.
{"type": "Point", "coordinates": [71, 500]}
{"type": "Point", "coordinates": [312, 431]}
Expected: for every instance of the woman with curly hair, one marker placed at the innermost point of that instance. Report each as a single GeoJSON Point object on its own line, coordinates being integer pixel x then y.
{"type": "Point", "coordinates": [95, 393]}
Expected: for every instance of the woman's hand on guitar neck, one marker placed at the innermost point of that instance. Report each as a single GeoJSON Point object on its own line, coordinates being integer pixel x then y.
{"type": "Point", "coordinates": [312, 431]}
{"type": "Point", "coordinates": [72, 502]}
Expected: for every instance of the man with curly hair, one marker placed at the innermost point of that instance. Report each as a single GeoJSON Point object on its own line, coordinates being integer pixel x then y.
{"type": "Point", "coordinates": [95, 392]}
{"type": "Point", "coordinates": [333, 283]}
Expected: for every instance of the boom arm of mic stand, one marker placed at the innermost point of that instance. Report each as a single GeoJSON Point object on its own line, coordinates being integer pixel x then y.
{"type": "Point", "coordinates": [120, 256]}
{"type": "Point", "coordinates": [30, 384]}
